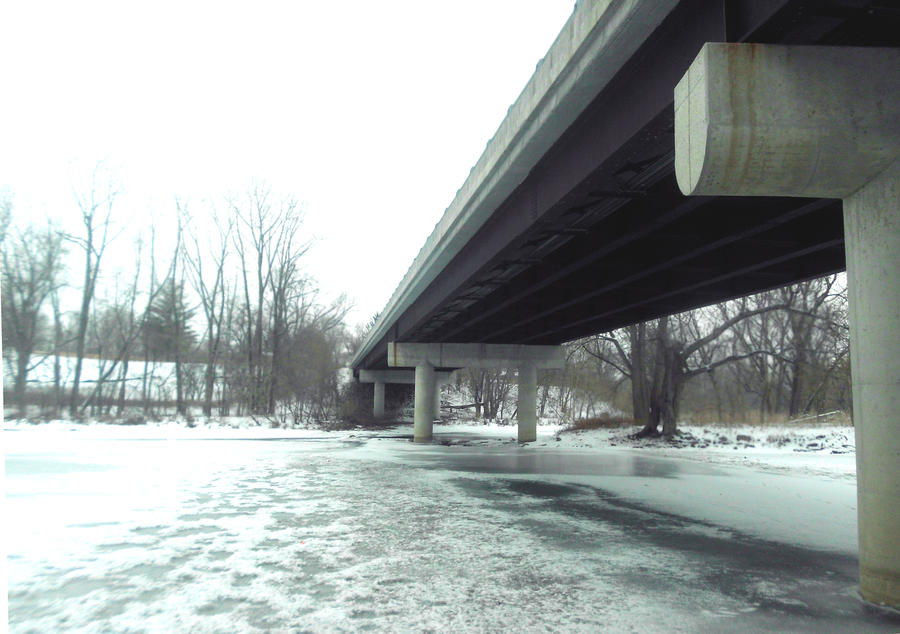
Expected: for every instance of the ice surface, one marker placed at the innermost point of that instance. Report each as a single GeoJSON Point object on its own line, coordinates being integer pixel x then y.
{"type": "Point", "coordinates": [172, 530]}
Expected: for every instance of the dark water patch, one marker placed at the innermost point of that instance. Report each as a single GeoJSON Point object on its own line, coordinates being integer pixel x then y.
{"type": "Point", "coordinates": [543, 489]}
{"type": "Point", "coordinates": [219, 606]}
{"type": "Point", "coordinates": [273, 566]}
{"type": "Point", "coordinates": [271, 544]}
{"type": "Point", "coordinates": [184, 557]}
{"type": "Point", "coordinates": [69, 589]}
{"type": "Point", "coordinates": [50, 464]}
{"type": "Point", "coordinates": [552, 462]}
{"type": "Point", "coordinates": [795, 587]}
{"type": "Point", "coordinates": [151, 571]}
{"type": "Point", "coordinates": [434, 602]}
{"type": "Point", "coordinates": [93, 524]}
{"type": "Point", "coordinates": [196, 530]}
{"type": "Point", "coordinates": [393, 581]}
{"type": "Point", "coordinates": [81, 586]}
{"type": "Point", "coordinates": [259, 615]}
{"type": "Point", "coordinates": [212, 569]}
{"type": "Point", "coordinates": [322, 591]}
{"type": "Point", "coordinates": [218, 555]}
{"type": "Point", "coordinates": [45, 604]}
{"type": "Point", "coordinates": [239, 579]}
{"type": "Point", "coordinates": [151, 595]}
{"type": "Point", "coordinates": [149, 530]}
{"type": "Point", "coordinates": [210, 515]}
{"type": "Point", "coordinates": [111, 608]}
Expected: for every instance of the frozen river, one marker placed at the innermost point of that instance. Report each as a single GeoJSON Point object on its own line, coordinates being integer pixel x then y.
{"type": "Point", "coordinates": [352, 533]}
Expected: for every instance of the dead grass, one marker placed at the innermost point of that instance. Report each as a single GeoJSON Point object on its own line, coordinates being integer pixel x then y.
{"type": "Point", "coordinates": [828, 419]}
{"type": "Point", "coordinates": [600, 422]}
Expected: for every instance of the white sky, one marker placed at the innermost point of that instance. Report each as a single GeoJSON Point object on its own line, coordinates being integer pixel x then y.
{"type": "Point", "coordinates": [370, 113]}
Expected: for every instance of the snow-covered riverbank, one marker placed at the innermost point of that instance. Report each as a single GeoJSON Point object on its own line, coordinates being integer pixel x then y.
{"type": "Point", "coordinates": [818, 450]}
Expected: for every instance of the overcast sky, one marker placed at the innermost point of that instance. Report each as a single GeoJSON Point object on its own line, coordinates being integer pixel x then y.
{"type": "Point", "coordinates": [370, 113]}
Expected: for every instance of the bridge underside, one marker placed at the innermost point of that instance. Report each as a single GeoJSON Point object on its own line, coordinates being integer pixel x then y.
{"type": "Point", "coordinates": [599, 236]}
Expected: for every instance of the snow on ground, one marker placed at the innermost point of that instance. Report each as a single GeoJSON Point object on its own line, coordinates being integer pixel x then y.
{"type": "Point", "coordinates": [828, 451]}
{"type": "Point", "coordinates": [160, 375]}
{"type": "Point", "coordinates": [236, 427]}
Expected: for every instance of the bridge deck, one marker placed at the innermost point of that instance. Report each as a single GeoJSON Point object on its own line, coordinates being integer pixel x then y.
{"type": "Point", "coordinates": [572, 223]}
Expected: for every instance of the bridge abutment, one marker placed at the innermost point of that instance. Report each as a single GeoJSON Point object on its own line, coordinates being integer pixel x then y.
{"type": "Point", "coordinates": [765, 120]}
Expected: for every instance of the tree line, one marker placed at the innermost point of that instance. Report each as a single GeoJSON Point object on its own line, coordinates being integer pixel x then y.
{"type": "Point", "coordinates": [220, 295]}
{"type": "Point", "coordinates": [778, 355]}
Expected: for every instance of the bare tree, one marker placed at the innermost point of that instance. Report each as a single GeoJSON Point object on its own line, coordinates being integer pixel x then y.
{"type": "Point", "coordinates": [310, 354]}
{"type": "Point", "coordinates": [265, 242]}
{"type": "Point", "coordinates": [212, 290]}
{"type": "Point", "coordinates": [763, 376]}
{"type": "Point", "coordinates": [96, 217]}
{"type": "Point", "coordinates": [809, 317]}
{"type": "Point", "coordinates": [32, 263]}
{"type": "Point", "coordinates": [6, 206]}
{"type": "Point", "coordinates": [119, 326]}
{"type": "Point", "coordinates": [490, 389]}
{"type": "Point", "coordinates": [684, 346]}
{"type": "Point", "coordinates": [287, 288]}
{"type": "Point", "coordinates": [179, 315]}
{"type": "Point", "coordinates": [809, 336]}
{"type": "Point", "coordinates": [58, 343]}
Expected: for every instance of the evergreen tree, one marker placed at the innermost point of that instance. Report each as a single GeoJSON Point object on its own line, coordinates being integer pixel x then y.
{"type": "Point", "coordinates": [167, 326]}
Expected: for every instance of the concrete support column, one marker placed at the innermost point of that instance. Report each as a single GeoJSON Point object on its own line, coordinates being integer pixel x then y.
{"type": "Point", "coordinates": [379, 399]}
{"type": "Point", "coordinates": [424, 403]}
{"type": "Point", "coordinates": [527, 403]}
{"type": "Point", "coordinates": [763, 120]}
{"type": "Point", "coordinates": [872, 232]}
{"type": "Point", "coordinates": [426, 356]}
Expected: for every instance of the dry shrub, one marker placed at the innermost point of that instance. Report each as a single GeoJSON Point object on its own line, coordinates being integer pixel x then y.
{"type": "Point", "coordinates": [753, 418]}
{"type": "Point", "coordinates": [604, 421]}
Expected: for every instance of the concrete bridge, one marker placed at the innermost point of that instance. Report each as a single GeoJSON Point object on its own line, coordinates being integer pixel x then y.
{"type": "Point", "coordinates": [666, 155]}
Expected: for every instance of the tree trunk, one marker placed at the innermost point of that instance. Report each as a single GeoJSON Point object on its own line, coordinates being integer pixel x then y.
{"type": "Point", "coordinates": [123, 374]}
{"type": "Point", "coordinates": [209, 379]}
{"type": "Point", "coordinates": [801, 331]}
{"type": "Point", "coordinates": [21, 376]}
{"type": "Point", "coordinates": [545, 393]}
{"type": "Point", "coordinates": [57, 344]}
{"type": "Point", "coordinates": [86, 295]}
{"type": "Point", "coordinates": [640, 397]}
{"type": "Point", "coordinates": [276, 361]}
{"type": "Point", "coordinates": [145, 394]}
{"type": "Point", "coordinates": [179, 381]}
{"type": "Point", "coordinates": [654, 386]}
{"type": "Point", "coordinates": [673, 380]}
